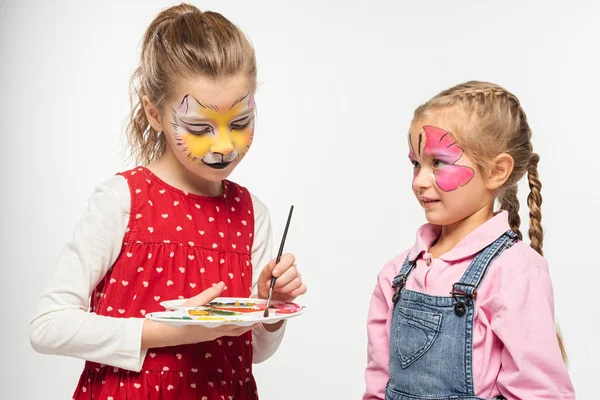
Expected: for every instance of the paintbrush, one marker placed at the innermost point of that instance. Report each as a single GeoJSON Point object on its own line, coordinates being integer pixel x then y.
{"type": "Point", "coordinates": [287, 225]}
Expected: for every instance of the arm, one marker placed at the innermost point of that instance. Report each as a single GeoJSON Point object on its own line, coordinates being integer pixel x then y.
{"type": "Point", "coordinates": [378, 349]}
{"type": "Point", "coordinates": [265, 338]}
{"type": "Point", "coordinates": [62, 324]}
{"type": "Point", "coordinates": [523, 319]}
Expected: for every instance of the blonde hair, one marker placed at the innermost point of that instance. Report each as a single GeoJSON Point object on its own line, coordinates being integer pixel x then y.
{"type": "Point", "coordinates": [493, 122]}
{"type": "Point", "coordinates": [182, 42]}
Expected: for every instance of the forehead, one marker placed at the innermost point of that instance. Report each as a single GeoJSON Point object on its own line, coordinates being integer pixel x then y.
{"type": "Point", "coordinates": [439, 120]}
{"type": "Point", "coordinates": [219, 92]}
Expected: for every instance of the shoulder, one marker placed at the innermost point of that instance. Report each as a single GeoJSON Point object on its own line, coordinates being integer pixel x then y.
{"type": "Point", "coordinates": [516, 269]}
{"type": "Point", "coordinates": [135, 177]}
{"type": "Point", "coordinates": [392, 268]}
{"type": "Point", "coordinates": [521, 259]}
{"type": "Point", "coordinates": [260, 210]}
{"type": "Point", "coordinates": [117, 188]}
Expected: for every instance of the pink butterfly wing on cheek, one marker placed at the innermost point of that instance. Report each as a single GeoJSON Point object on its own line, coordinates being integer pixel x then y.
{"type": "Point", "coordinates": [451, 177]}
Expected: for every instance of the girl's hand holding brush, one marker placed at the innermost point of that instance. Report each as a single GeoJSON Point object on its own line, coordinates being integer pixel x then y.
{"type": "Point", "coordinates": [288, 284]}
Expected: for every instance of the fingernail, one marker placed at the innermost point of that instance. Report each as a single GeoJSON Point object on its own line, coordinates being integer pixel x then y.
{"type": "Point", "coordinates": [275, 272]}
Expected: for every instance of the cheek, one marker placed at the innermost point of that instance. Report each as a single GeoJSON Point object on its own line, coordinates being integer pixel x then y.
{"type": "Point", "coordinates": [452, 177]}
{"type": "Point", "coordinates": [242, 139]}
{"type": "Point", "coordinates": [198, 145]}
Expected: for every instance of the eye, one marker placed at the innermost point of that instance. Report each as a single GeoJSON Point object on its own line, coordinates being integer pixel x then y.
{"type": "Point", "coordinates": [415, 164]}
{"type": "Point", "coordinates": [241, 123]}
{"type": "Point", "coordinates": [438, 163]}
{"type": "Point", "coordinates": [200, 130]}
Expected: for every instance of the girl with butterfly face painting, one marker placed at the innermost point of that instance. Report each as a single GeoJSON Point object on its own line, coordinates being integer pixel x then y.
{"type": "Point", "coordinates": [468, 311]}
{"type": "Point", "coordinates": [174, 227]}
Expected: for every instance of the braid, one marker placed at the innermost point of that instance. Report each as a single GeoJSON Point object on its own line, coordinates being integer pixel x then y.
{"type": "Point", "coordinates": [536, 233]}
{"type": "Point", "coordinates": [534, 201]}
{"type": "Point", "coordinates": [510, 202]}
{"type": "Point", "coordinates": [473, 90]}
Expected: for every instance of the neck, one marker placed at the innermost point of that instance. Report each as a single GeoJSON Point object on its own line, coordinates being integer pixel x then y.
{"type": "Point", "coordinates": [169, 169]}
{"type": "Point", "coordinates": [453, 234]}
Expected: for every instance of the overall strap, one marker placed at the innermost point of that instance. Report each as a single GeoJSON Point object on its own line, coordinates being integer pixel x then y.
{"type": "Point", "coordinates": [400, 279]}
{"type": "Point", "coordinates": [474, 274]}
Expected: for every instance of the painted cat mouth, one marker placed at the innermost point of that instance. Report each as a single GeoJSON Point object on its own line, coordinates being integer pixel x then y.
{"type": "Point", "coordinates": [220, 165]}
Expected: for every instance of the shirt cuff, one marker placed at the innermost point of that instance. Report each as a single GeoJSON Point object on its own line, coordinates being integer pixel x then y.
{"type": "Point", "coordinates": [133, 334]}
{"type": "Point", "coordinates": [266, 343]}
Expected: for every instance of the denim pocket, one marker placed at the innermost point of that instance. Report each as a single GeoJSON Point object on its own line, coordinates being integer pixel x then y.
{"type": "Point", "coordinates": [416, 333]}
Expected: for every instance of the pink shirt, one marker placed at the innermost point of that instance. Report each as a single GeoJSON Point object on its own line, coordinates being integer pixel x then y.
{"type": "Point", "coordinates": [515, 350]}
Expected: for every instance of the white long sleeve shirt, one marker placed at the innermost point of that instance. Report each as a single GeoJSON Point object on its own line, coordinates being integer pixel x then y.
{"type": "Point", "coordinates": [62, 323]}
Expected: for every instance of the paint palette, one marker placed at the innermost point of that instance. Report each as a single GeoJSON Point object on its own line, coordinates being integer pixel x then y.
{"type": "Point", "coordinates": [225, 311]}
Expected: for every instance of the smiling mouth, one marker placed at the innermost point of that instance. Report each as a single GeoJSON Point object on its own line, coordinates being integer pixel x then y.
{"type": "Point", "coordinates": [220, 165]}
{"type": "Point", "coordinates": [428, 202]}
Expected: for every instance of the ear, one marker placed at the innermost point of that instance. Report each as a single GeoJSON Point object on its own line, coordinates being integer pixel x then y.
{"type": "Point", "coordinates": [152, 114]}
{"type": "Point", "coordinates": [500, 170]}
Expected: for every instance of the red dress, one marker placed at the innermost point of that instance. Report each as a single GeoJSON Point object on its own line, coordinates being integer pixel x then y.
{"type": "Point", "coordinates": [177, 244]}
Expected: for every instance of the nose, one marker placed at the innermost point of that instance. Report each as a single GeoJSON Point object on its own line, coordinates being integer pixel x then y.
{"type": "Point", "coordinates": [423, 179]}
{"type": "Point", "coordinates": [222, 143]}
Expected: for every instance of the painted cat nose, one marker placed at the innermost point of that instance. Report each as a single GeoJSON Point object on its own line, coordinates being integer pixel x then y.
{"type": "Point", "coordinates": [222, 144]}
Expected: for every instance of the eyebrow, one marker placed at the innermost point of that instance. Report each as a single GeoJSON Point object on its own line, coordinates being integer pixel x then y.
{"type": "Point", "coordinates": [208, 107]}
{"type": "Point", "coordinates": [213, 107]}
{"type": "Point", "coordinates": [238, 100]}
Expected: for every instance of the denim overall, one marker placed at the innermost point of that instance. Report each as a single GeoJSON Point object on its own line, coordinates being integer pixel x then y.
{"type": "Point", "coordinates": [431, 342]}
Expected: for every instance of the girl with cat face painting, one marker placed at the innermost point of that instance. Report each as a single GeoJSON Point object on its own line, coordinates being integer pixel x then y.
{"type": "Point", "coordinates": [172, 227]}
{"type": "Point", "coordinates": [468, 311]}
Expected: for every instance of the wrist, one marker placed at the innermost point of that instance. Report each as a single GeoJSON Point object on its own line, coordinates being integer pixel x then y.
{"type": "Point", "coordinates": [273, 327]}
{"type": "Point", "coordinates": [155, 335]}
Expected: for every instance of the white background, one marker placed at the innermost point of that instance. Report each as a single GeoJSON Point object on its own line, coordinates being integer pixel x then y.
{"type": "Point", "coordinates": [338, 83]}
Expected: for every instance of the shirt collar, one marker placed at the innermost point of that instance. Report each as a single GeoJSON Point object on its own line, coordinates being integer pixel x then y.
{"type": "Point", "coordinates": [473, 243]}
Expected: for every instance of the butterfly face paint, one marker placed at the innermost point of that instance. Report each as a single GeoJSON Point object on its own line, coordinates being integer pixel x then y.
{"type": "Point", "coordinates": [215, 136]}
{"type": "Point", "coordinates": [441, 148]}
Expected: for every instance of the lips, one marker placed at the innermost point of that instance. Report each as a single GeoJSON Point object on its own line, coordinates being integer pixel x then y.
{"type": "Point", "coordinates": [220, 165]}
{"type": "Point", "coordinates": [428, 202]}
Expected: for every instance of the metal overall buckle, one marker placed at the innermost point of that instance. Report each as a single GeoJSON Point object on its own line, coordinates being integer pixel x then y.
{"type": "Point", "coordinates": [460, 308]}
{"type": "Point", "coordinates": [397, 287]}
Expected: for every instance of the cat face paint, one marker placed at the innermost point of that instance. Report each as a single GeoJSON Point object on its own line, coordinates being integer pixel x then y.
{"type": "Point", "coordinates": [440, 147]}
{"type": "Point", "coordinates": [215, 136]}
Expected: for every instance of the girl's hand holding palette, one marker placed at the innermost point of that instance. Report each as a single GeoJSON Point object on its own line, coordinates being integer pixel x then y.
{"type": "Point", "coordinates": [225, 311]}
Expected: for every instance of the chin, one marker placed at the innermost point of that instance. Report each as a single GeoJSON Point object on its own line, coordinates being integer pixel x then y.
{"type": "Point", "coordinates": [438, 218]}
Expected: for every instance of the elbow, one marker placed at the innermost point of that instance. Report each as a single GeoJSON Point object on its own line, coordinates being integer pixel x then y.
{"type": "Point", "coordinates": [39, 338]}
{"type": "Point", "coordinates": [260, 358]}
